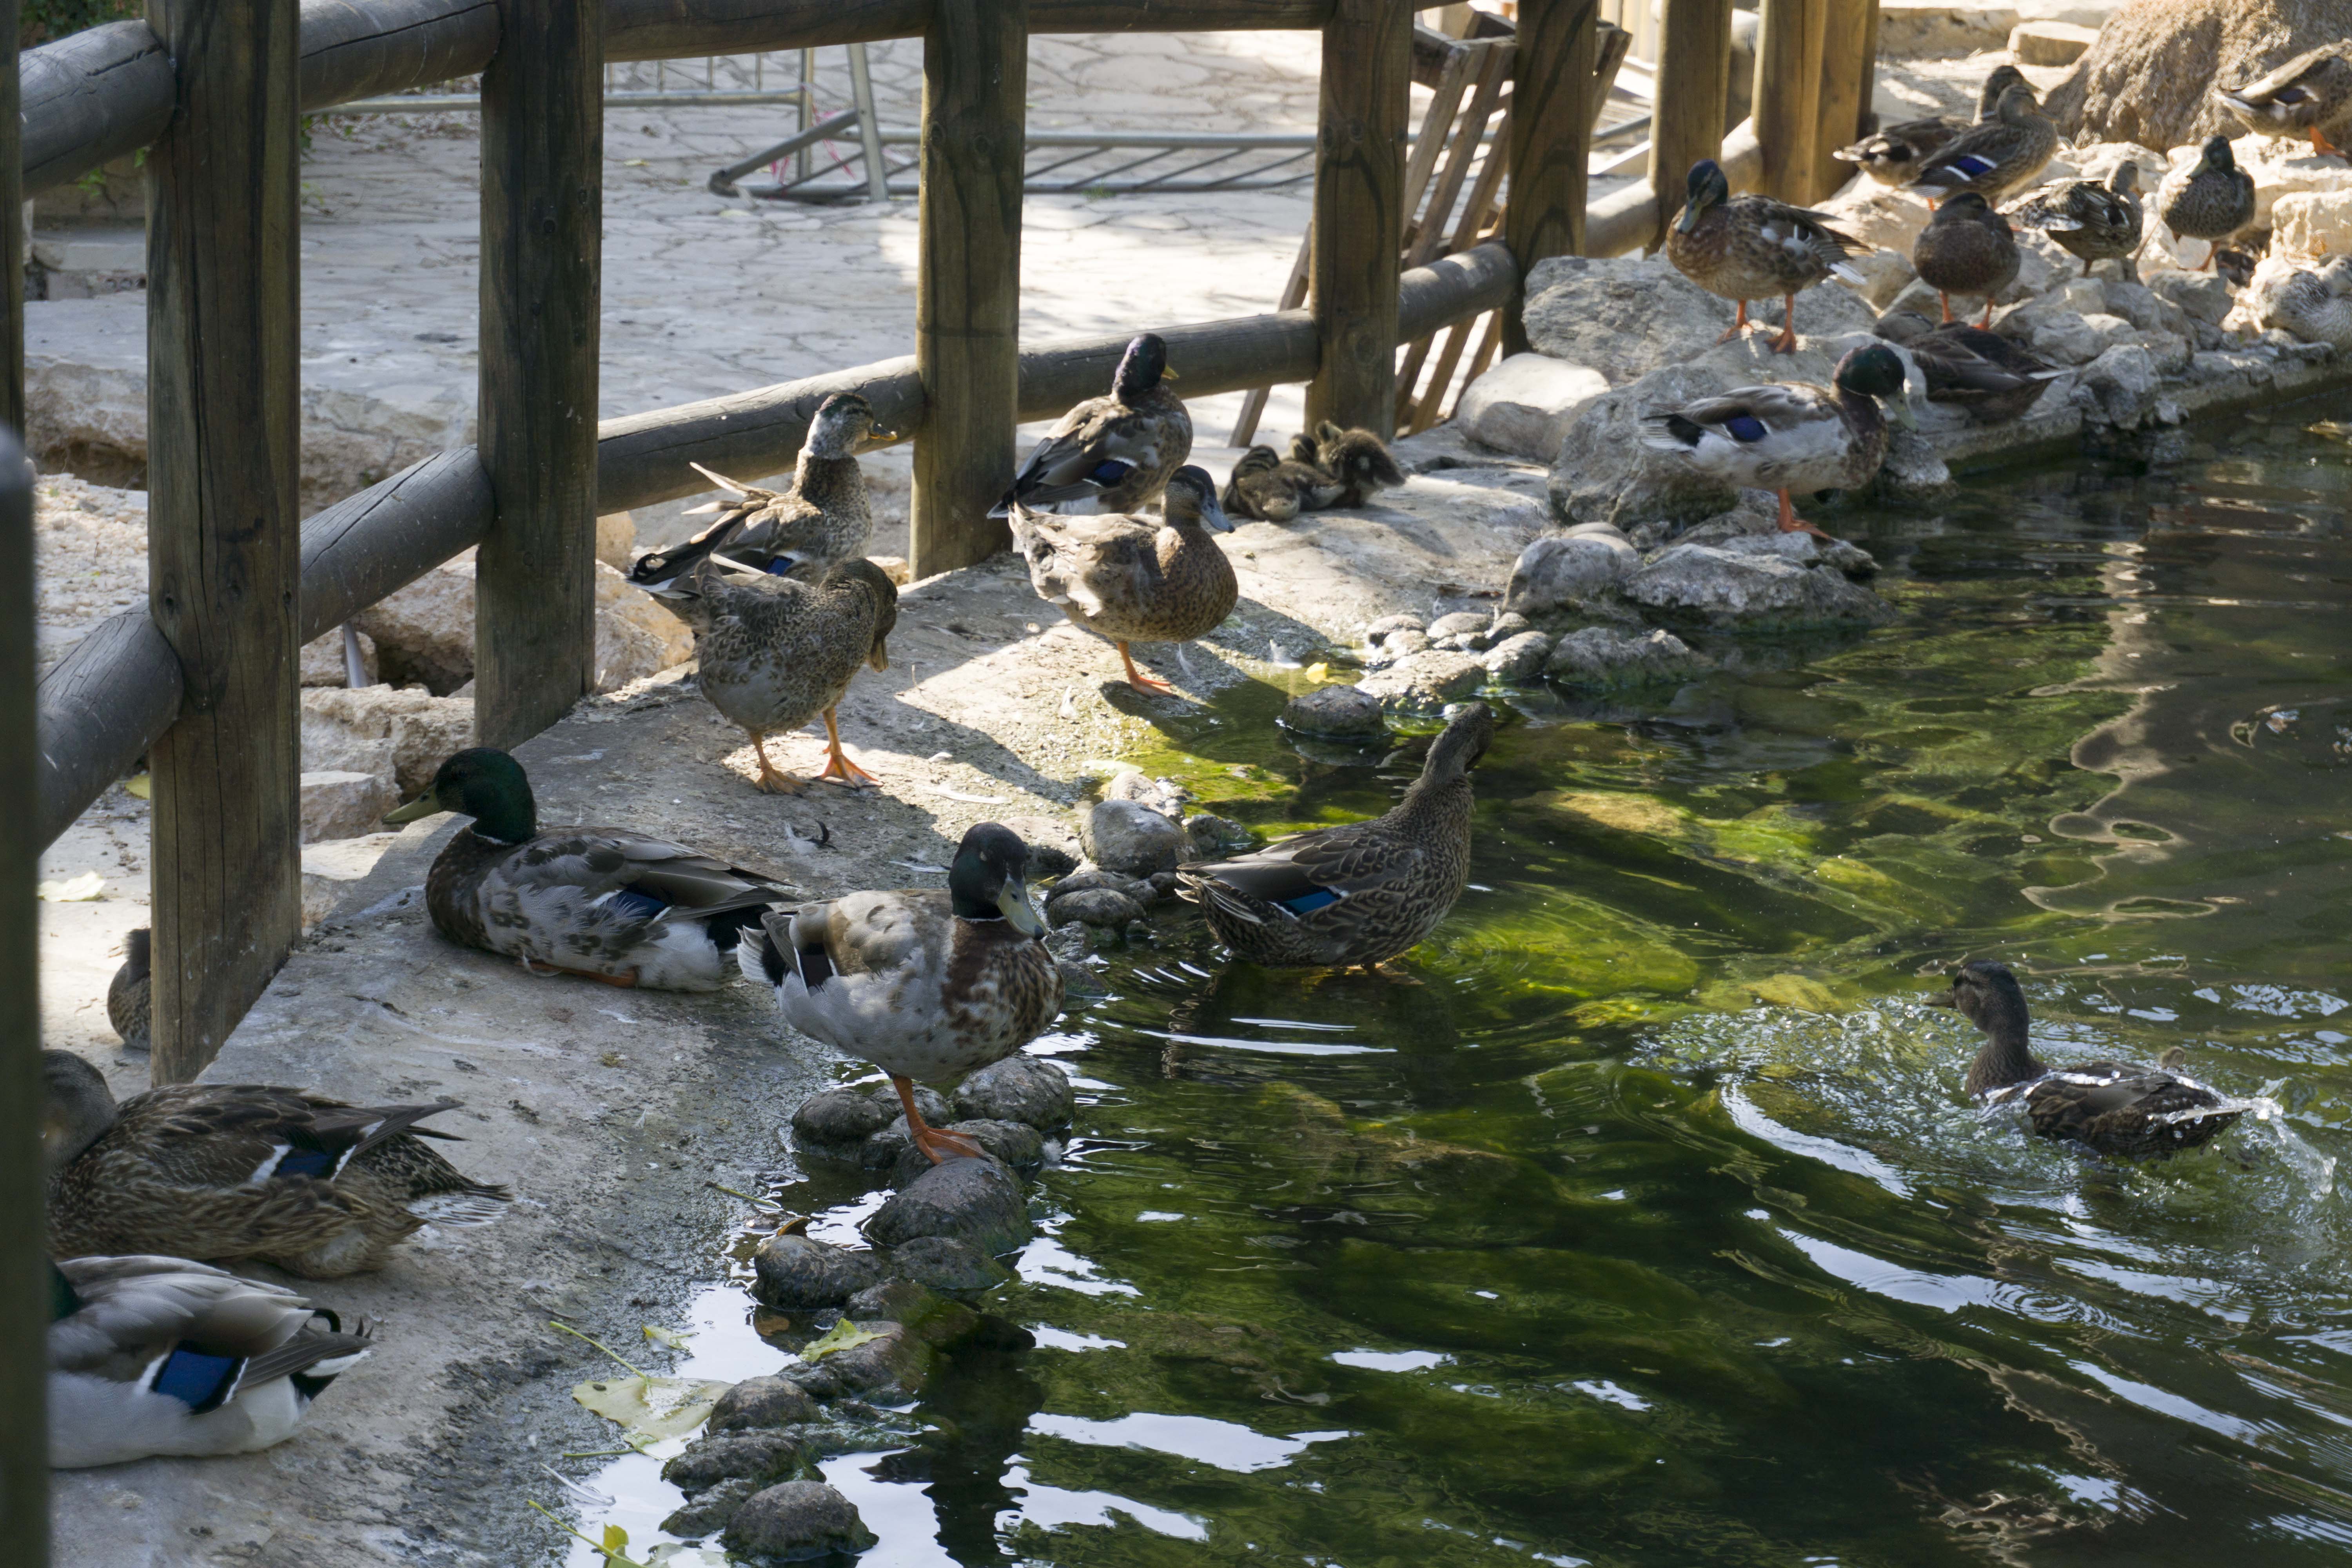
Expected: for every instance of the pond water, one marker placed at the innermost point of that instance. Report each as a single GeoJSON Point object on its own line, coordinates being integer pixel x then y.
{"type": "Point", "coordinates": [1652, 1226]}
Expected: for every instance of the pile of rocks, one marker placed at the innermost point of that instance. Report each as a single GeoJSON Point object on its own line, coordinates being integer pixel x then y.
{"type": "Point", "coordinates": [1117, 859]}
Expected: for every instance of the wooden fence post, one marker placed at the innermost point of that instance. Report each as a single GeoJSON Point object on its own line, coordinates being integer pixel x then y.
{"type": "Point", "coordinates": [1552, 92]}
{"type": "Point", "coordinates": [968, 282]}
{"type": "Point", "coordinates": [1845, 34]}
{"type": "Point", "coordinates": [1865, 119]}
{"type": "Point", "coordinates": [24, 1280]}
{"type": "Point", "coordinates": [1787, 94]}
{"type": "Point", "coordinates": [1694, 84]}
{"type": "Point", "coordinates": [12, 226]}
{"type": "Point", "coordinates": [1351, 270]}
{"type": "Point", "coordinates": [542, 238]}
{"type": "Point", "coordinates": [224, 542]}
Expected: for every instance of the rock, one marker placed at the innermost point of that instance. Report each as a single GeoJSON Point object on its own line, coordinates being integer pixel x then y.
{"type": "Point", "coordinates": [1908, 29]}
{"type": "Point", "coordinates": [1387, 623]}
{"type": "Point", "coordinates": [758, 1404]}
{"type": "Point", "coordinates": [2200, 296]}
{"type": "Point", "coordinates": [424, 632]}
{"type": "Point", "coordinates": [1604, 474]}
{"type": "Point", "coordinates": [1626, 317]}
{"type": "Point", "coordinates": [840, 1118]}
{"type": "Point", "coordinates": [761, 1457]}
{"type": "Point", "coordinates": [1520, 407]}
{"type": "Point", "coordinates": [1747, 592]}
{"type": "Point", "coordinates": [1518, 659]}
{"type": "Point", "coordinates": [1460, 624]}
{"type": "Point", "coordinates": [1338, 713]}
{"type": "Point", "coordinates": [928, 1317]}
{"type": "Point", "coordinates": [1094, 907]}
{"type": "Point", "coordinates": [322, 659]}
{"type": "Point", "coordinates": [1162, 796]}
{"type": "Point", "coordinates": [1017, 1146]}
{"type": "Point", "coordinates": [635, 636]}
{"type": "Point", "coordinates": [1400, 644]}
{"type": "Point", "coordinates": [795, 1273]}
{"type": "Point", "coordinates": [794, 1521]}
{"type": "Point", "coordinates": [1601, 659]}
{"type": "Point", "coordinates": [2057, 334]}
{"type": "Point", "coordinates": [1210, 836]}
{"type": "Point", "coordinates": [2150, 75]}
{"type": "Point", "coordinates": [1053, 846]}
{"type": "Point", "coordinates": [404, 732]}
{"type": "Point", "coordinates": [708, 1513]}
{"type": "Point", "coordinates": [1564, 571]}
{"type": "Point", "coordinates": [1508, 624]}
{"type": "Point", "coordinates": [616, 541]}
{"type": "Point", "coordinates": [2125, 381]}
{"type": "Point", "coordinates": [1885, 273]}
{"type": "Point", "coordinates": [893, 1360]}
{"type": "Point", "coordinates": [942, 1263]}
{"type": "Point", "coordinates": [976, 1201]}
{"type": "Point", "coordinates": [2049, 43]}
{"type": "Point", "coordinates": [1139, 889]}
{"type": "Point", "coordinates": [1913, 473]}
{"type": "Point", "coordinates": [332, 867]}
{"type": "Point", "coordinates": [1803, 549]}
{"type": "Point", "coordinates": [341, 804]}
{"type": "Point", "coordinates": [2312, 223]}
{"type": "Point", "coordinates": [1025, 1088]}
{"type": "Point", "coordinates": [1428, 680]}
{"type": "Point", "coordinates": [1124, 835]}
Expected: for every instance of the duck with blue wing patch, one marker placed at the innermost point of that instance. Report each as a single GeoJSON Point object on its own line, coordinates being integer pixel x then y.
{"type": "Point", "coordinates": [1895, 153]}
{"type": "Point", "coordinates": [1112, 454]}
{"type": "Point", "coordinates": [1994, 158]}
{"type": "Point", "coordinates": [1752, 247]}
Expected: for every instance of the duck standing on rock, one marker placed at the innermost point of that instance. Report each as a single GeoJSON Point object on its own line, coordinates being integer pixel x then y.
{"type": "Point", "coordinates": [2211, 199]}
{"type": "Point", "coordinates": [926, 985]}
{"type": "Point", "coordinates": [1893, 157]}
{"type": "Point", "coordinates": [1111, 454]}
{"type": "Point", "coordinates": [1966, 249]}
{"type": "Point", "coordinates": [1995, 158]}
{"type": "Point", "coordinates": [1135, 579]}
{"type": "Point", "coordinates": [1358, 895]}
{"type": "Point", "coordinates": [605, 903]}
{"type": "Point", "coordinates": [1752, 247]}
{"type": "Point", "coordinates": [2096, 222]}
{"type": "Point", "coordinates": [2111, 1107]}
{"type": "Point", "coordinates": [2310, 93]}
{"type": "Point", "coordinates": [1791, 435]}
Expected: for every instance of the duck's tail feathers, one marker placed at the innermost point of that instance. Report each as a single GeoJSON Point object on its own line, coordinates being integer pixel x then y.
{"type": "Point", "coordinates": [757, 955]}
{"type": "Point", "coordinates": [479, 1204]}
{"type": "Point", "coordinates": [1844, 273]}
{"type": "Point", "coordinates": [1209, 893]}
{"type": "Point", "coordinates": [313, 1357]}
{"type": "Point", "coordinates": [721, 480]}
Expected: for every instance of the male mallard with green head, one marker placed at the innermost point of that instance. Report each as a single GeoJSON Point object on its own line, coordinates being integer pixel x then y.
{"type": "Point", "coordinates": [927, 985]}
{"type": "Point", "coordinates": [1966, 249]}
{"type": "Point", "coordinates": [1752, 247]}
{"type": "Point", "coordinates": [228, 1171]}
{"type": "Point", "coordinates": [1996, 158]}
{"type": "Point", "coordinates": [1137, 579]}
{"type": "Point", "coordinates": [2210, 199]}
{"type": "Point", "coordinates": [606, 903]}
{"type": "Point", "coordinates": [1895, 154]}
{"type": "Point", "coordinates": [2096, 222]}
{"type": "Point", "coordinates": [2310, 93]}
{"type": "Point", "coordinates": [1112, 454]}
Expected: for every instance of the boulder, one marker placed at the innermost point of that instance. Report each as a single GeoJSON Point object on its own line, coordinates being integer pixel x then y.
{"type": "Point", "coordinates": [1522, 405]}
{"type": "Point", "coordinates": [1464, 630]}
{"type": "Point", "coordinates": [1093, 907]}
{"type": "Point", "coordinates": [1563, 571]}
{"type": "Point", "coordinates": [1025, 1088]}
{"type": "Point", "coordinates": [1599, 659]}
{"type": "Point", "coordinates": [424, 632]}
{"type": "Point", "coordinates": [1128, 837]}
{"type": "Point", "coordinates": [797, 1273]}
{"type": "Point", "coordinates": [323, 663]}
{"type": "Point", "coordinates": [759, 1404]}
{"type": "Point", "coordinates": [2200, 296]}
{"type": "Point", "coordinates": [616, 541]}
{"type": "Point", "coordinates": [1748, 592]}
{"type": "Point", "coordinates": [1165, 797]}
{"type": "Point", "coordinates": [1144, 891]}
{"type": "Point", "coordinates": [1428, 680]}
{"type": "Point", "coordinates": [974, 1201]}
{"type": "Point", "coordinates": [1604, 474]}
{"type": "Point", "coordinates": [839, 1119]}
{"type": "Point", "coordinates": [893, 1359]}
{"type": "Point", "coordinates": [2125, 381]}
{"type": "Point", "coordinates": [2313, 224]}
{"type": "Point", "coordinates": [2043, 43]}
{"type": "Point", "coordinates": [336, 804]}
{"type": "Point", "coordinates": [707, 1513]}
{"type": "Point", "coordinates": [1626, 317]}
{"type": "Point", "coordinates": [1374, 631]}
{"type": "Point", "coordinates": [1053, 846]}
{"type": "Point", "coordinates": [926, 1317]}
{"type": "Point", "coordinates": [1336, 714]}
{"type": "Point", "coordinates": [2150, 75]}
{"type": "Point", "coordinates": [1399, 644]}
{"type": "Point", "coordinates": [635, 636]}
{"type": "Point", "coordinates": [403, 731]}
{"type": "Point", "coordinates": [1517, 660]}
{"type": "Point", "coordinates": [1018, 1145]}
{"type": "Point", "coordinates": [794, 1521]}
{"type": "Point", "coordinates": [1207, 835]}
{"type": "Point", "coordinates": [942, 1263]}
{"type": "Point", "coordinates": [762, 1456]}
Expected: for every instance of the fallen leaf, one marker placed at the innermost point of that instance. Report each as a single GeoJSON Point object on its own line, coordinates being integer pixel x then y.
{"type": "Point", "coordinates": [656, 1406]}
{"type": "Point", "coordinates": [670, 1337]}
{"type": "Point", "coordinates": [844, 1335]}
{"type": "Point", "coordinates": [141, 784]}
{"type": "Point", "coordinates": [81, 890]}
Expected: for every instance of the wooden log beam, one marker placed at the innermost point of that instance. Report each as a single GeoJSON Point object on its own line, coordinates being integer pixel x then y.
{"type": "Point", "coordinates": [1626, 219]}
{"type": "Point", "coordinates": [1847, 29]}
{"type": "Point", "coordinates": [542, 233]}
{"type": "Point", "coordinates": [1352, 270]}
{"type": "Point", "coordinates": [1788, 87]}
{"type": "Point", "coordinates": [968, 280]}
{"type": "Point", "coordinates": [223, 432]}
{"type": "Point", "coordinates": [1553, 94]}
{"type": "Point", "coordinates": [1694, 83]}
{"type": "Point", "coordinates": [90, 97]}
{"type": "Point", "coordinates": [12, 229]}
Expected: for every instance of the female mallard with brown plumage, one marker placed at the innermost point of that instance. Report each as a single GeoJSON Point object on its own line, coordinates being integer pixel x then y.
{"type": "Point", "coordinates": [1135, 579]}
{"type": "Point", "coordinates": [2310, 93]}
{"type": "Point", "coordinates": [1895, 153]}
{"type": "Point", "coordinates": [1997, 158]}
{"type": "Point", "coordinates": [605, 903]}
{"type": "Point", "coordinates": [2096, 222]}
{"type": "Point", "coordinates": [1966, 249]}
{"type": "Point", "coordinates": [2210, 199]}
{"type": "Point", "coordinates": [1752, 247]}
{"type": "Point", "coordinates": [2112, 1108]}
{"type": "Point", "coordinates": [129, 995]}
{"type": "Point", "coordinates": [1112, 454]}
{"type": "Point", "coordinates": [1991, 377]}
{"type": "Point", "coordinates": [229, 1171]}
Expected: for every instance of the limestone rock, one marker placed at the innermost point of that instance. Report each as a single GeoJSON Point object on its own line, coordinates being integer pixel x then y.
{"type": "Point", "coordinates": [798, 1273]}
{"type": "Point", "coordinates": [342, 805]}
{"type": "Point", "coordinates": [944, 1263]}
{"type": "Point", "coordinates": [1520, 407]}
{"type": "Point", "coordinates": [322, 659]}
{"type": "Point", "coordinates": [330, 867]}
{"type": "Point", "coordinates": [1022, 1087]}
{"type": "Point", "coordinates": [400, 730]}
{"type": "Point", "coordinates": [2150, 75]}
{"type": "Point", "coordinates": [1517, 660]}
{"type": "Point", "coordinates": [758, 1404]}
{"type": "Point", "coordinates": [1337, 712]}
{"type": "Point", "coordinates": [1402, 643]}
{"type": "Point", "coordinates": [635, 636]}
{"type": "Point", "coordinates": [1464, 630]}
{"type": "Point", "coordinates": [1913, 473]}
{"type": "Point", "coordinates": [2043, 43]}
{"type": "Point", "coordinates": [2200, 296]}
{"type": "Point", "coordinates": [616, 541]}
{"type": "Point", "coordinates": [2125, 381]}
{"type": "Point", "coordinates": [1428, 680]}
{"type": "Point", "coordinates": [1127, 837]}
{"type": "Point", "coordinates": [1053, 846]}
{"type": "Point", "coordinates": [795, 1520]}
{"type": "Point", "coordinates": [1625, 317]}
{"type": "Point", "coordinates": [1910, 30]}
{"type": "Point", "coordinates": [1562, 571]}
{"type": "Point", "coordinates": [1377, 630]}
{"type": "Point", "coordinates": [1602, 660]}
{"type": "Point", "coordinates": [1604, 474]}
{"type": "Point", "coordinates": [840, 1118]}
{"type": "Point", "coordinates": [1748, 592]}
{"type": "Point", "coordinates": [761, 1457]}
{"type": "Point", "coordinates": [2313, 224]}
{"type": "Point", "coordinates": [976, 1201]}
{"type": "Point", "coordinates": [707, 1513]}
{"type": "Point", "coordinates": [1164, 796]}
{"type": "Point", "coordinates": [424, 632]}
{"type": "Point", "coordinates": [1093, 907]}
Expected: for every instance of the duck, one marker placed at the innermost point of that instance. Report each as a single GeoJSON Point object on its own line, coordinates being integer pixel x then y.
{"type": "Point", "coordinates": [1111, 454]}
{"type": "Point", "coordinates": [772, 653]}
{"type": "Point", "coordinates": [1894, 155]}
{"type": "Point", "coordinates": [1135, 579]}
{"type": "Point", "coordinates": [2308, 305]}
{"type": "Point", "coordinates": [2116, 1109]}
{"type": "Point", "coordinates": [1995, 158]}
{"type": "Point", "coordinates": [1792, 435]}
{"type": "Point", "coordinates": [1991, 377]}
{"type": "Point", "coordinates": [927, 985]}
{"type": "Point", "coordinates": [317, 1186]}
{"type": "Point", "coordinates": [1272, 487]}
{"type": "Point", "coordinates": [129, 994]}
{"type": "Point", "coordinates": [152, 1355]}
{"type": "Point", "coordinates": [605, 903]}
{"type": "Point", "coordinates": [1363, 894]}
{"type": "Point", "coordinates": [2235, 264]}
{"type": "Point", "coordinates": [1966, 249]}
{"type": "Point", "coordinates": [2310, 93]}
{"type": "Point", "coordinates": [1356, 461]}
{"type": "Point", "coordinates": [1752, 247]}
{"type": "Point", "coordinates": [2210, 199]}
{"type": "Point", "coordinates": [822, 519]}
{"type": "Point", "coordinates": [2096, 222]}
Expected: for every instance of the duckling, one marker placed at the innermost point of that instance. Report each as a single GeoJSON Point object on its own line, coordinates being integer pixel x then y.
{"type": "Point", "coordinates": [1110, 455]}
{"type": "Point", "coordinates": [158, 1355]}
{"type": "Point", "coordinates": [821, 520]}
{"type": "Point", "coordinates": [2096, 222]}
{"type": "Point", "coordinates": [1135, 579]}
{"type": "Point", "coordinates": [607, 903]}
{"type": "Point", "coordinates": [128, 995]}
{"type": "Point", "coordinates": [2210, 199]}
{"type": "Point", "coordinates": [2308, 305]}
{"type": "Point", "coordinates": [776, 652]}
{"type": "Point", "coordinates": [2111, 1107]}
{"type": "Point", "coordinates": [1356, 461]}
{"type": "Point", "coordinates": [1274, 488]}
{"type": "Point", "coordinates": [1358, 895]}
{"type": "Point", "coordinates": [1895, 154]}
{"type": "Point", "coordinates": [1996, 158]}
{"type": "Point", "coordinates": [1751, 247]}
{"type": "Point", "coordinates": [1793, 435]}
{"type": "Point", "coordinates": [228, 1171]}
{"type": "Point", "coordinates": [1966, 249]}
{"type": "Point", "coordinates": [1993, 377]}
{"type": "Point", "coordinates": [2312, 92]}
{"type": "Point", "coordinates": [926, 985]}
{"type": "Point", "coordinates": [2235, 264]}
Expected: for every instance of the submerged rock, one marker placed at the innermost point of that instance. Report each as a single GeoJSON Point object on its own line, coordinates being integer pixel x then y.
{"type": "Point", "coordinates": [794, 1521]}
{"type": "Point", "coordinates": [1751, 592]}
{"type": "Point", "coordinates": [1017, 1146]}
{"type": "Point", "coordinates": [707, 1512]}
{"type": "Point", "coordinates": [1429, 679]}
{"type": "Point", "coordinates": [1601, 659]}
{"type": "Point", "coordinates": [840, 1117]}
{"type": "Point", "coordinates": [1128, 836]}
{"type": "Point", "coordinates": [1022, 1087]}
{"type": "Point", "coordinates": [1517, 660]}
{"type": "Point", "coordinates": [976, 1201]}
{"type": "Point", "coordinates": [1336, 714]}
{"type": "Point", "coordinates": [922, 1312]}
{"type": "Point", "coordinates": [1094, 907]}
{"type": "Point", "coordinates": [798, 1273]}
{"type": "Point", "coordinates": [892, 1359]}
{"type": "Point", "coordinates": [944, 1263]}
{"type": "Point", "coordinates": [758, 1404]}
{"type": "Point", "coordinates": [757, 1456]}
{"type": "Point", "coordinates": [1207, 834]}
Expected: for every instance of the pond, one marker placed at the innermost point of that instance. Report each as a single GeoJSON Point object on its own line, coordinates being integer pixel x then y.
{"type": "Point", "coordinates": [1651, 1227]}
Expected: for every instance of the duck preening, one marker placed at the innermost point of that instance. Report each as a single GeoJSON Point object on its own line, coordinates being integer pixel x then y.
{"type": "Point", "coordinates": [1752, 247]}
{"type": "Point", "coordinates": [2096, 222]}
{"type": "Point", "coordinates": [1113, 453]}
{"type": "Point", "coordinates": [2113, 1107]}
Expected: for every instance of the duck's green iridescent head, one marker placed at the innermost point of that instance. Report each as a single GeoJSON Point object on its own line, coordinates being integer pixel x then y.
{"type": "Point", "coordinates": [1873, 371]}
{"type": "Point", "coordinates": [1141, 367]}
{"type": "Point", "coordinates": [990, 879]}
{"type": "Point", "coordinates": [2217, 156]}
{"type": "Point", "coordinates": [485, 783]}
{"type": "Point", "coordinates": [1707, 188]}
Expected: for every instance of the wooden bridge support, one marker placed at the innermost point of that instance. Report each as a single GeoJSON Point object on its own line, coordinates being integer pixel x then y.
{"type": "Point", "coordinates": [24, 1280]}
{"type": "Point", "coordinates": [1695, 82]}
{"type": "Point", "coordinates": [1788, 95]}
{"type": "Point", "coordinates": [1351, 270]}
{"type": "Point", "coordinates": [1849, 42]}
{"type": "Point", "coordinates": [1552, 92]}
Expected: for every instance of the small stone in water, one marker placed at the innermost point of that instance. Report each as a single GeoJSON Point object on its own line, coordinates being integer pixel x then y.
{"type": "Point", "coordinates": [760, 1402]}
{"type": "Point", "coordinates": [796, 1272]}
{"type": "Point", "coordinates": [943, 1264]}
{"type": "Point", "coordinates": [840, 1116]}
{"type": "Point", "coordinates": [976, 1201]}
{"type": "Point", "coordinates": [1021, 1088]}
{"type": "Point", "coordinates": [794, 1520]}
{"type": "Point", "coordinates": [1337, 712]}
{"type": "Point", "coordinates": [761, 1457]}
{"type": "Point", "coordinates": [708, 1512]}
{"type": "Point", "coordinates": [1015, 1143]}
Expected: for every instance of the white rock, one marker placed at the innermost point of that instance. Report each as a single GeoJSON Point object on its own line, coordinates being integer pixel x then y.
{"type": "Point", "coordinates": [337, 803]}
{"type": "Point", "coordinates": [401, 734]}
{"type": "Point", "coordinates": [330, 868]}
{"type": "Point", "coordinates": [1908, 29]}
{"type": "Point", "coordinates": [2044, 43]}
{"type": "Point", "coordinates": [616, 541]}
{"type": "Point", "coordinates": [2317, 223]}
{"type": "Point", "coordinates": [1563, 570]}
{"type": "Point", "coordinates": [635, 636]}
{"type": "Point", "coordinates": [1751, 592]}
{"type": "Point", "coordinates": [425, 630]}
{"type": "Point", "coordinates": [1599, 659]}
{"type": "Point", "coordinates": [1626, 317]}
{"type": "Point", "coordinates": [1427, 680]}
{"type": "Point", "coordinates": [1522, 405]}
{"type": "Point", "coordinates": [322, 659]}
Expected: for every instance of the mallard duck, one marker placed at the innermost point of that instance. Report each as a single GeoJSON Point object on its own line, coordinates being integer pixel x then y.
{"type": "Point", "coordinates": [607, 903]}
{"type": "Point", "coordinates": [1274, 488]}
{"type": "Point", "coordinates": [1793, 435]}
{"type": "Point", "coordinates": [128, 994]}
{"type": "Point", "coordinates": [1895, 153]}
{"type": "Point", "coordinates": [1996, 158]}
{"type": "Point", "coordinates": [1135, 579]}
{"type": "Point", "coordinates": [2096, 222]}
{"type": "Point", "coordinates": [2112, 1108]}
{"type": "Point", "coordinates": [821, 518]}
{"type": "Point", "coordinates": [159, 1355]}
{"type": "Point", "coordinates": [927, 985]}
{"type": "Point", "coordinates": [1966, 249]}
{"type": "Point", "coordinates": [1111, 454]}
{"type": "Point", "coordinates": [772, 653]}
{"type": "Point", "coordinates": [2312, 92]}
{"type": "Point", "coordinates": [2305, 304]}
{"type": "Point", "coordinates": [1752, 247]}
{"type": "Point", "coordinates": [2210, 199]}
{"type": "Point", "coordinates": [229, 1171]}
{"type": "Point", "coordinates": [1358, 895]}
{"type": "Point", "coordinates": [1356, 461]}
{"type": "Point", "coordinates": [1993, 377]}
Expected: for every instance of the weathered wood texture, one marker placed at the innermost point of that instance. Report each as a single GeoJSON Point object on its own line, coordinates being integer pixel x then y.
{"type": "Point", "coordinates": [90, 96]}
{"type": "Point", "coordinates": [1351, 268]}
{"type": "Point", "coordinates": [1693, 82]}
{"type": "Point", "coordinates": [1787, 94]}
{"type": "Point", "coordinates": [1846, 31]}
{"type": "Point", "coordinates": [1865, 118]}
{"type": "Point", "coordinates": [542, 233]}
{"type": "Point", "coordinates": [968, 280]}
{"type": "Point", "coordinates": [1553, 92]}
{"type": "Point", "coordinates": [12, 229]}
{"type": "Point", "coordinates": [224, 534]}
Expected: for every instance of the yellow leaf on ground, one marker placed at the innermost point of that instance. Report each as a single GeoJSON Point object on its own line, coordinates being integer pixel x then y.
{"type": "Point", "coordinates": [656, 1406]}
{"type": "Point", "coordinates": [669, 1337]}
{"type": "Point", "coordinates": [142, 785]}
{"type": "Point", "coordinates": [844, 1335]}
{"type": "Point", "coordinates": [81, 890]}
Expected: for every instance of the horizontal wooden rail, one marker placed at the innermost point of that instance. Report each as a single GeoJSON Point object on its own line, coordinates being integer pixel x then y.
{"type": "Point", "coordinates": [1627, 219]}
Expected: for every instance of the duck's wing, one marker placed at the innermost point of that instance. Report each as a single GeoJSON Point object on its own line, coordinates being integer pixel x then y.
{"type": "Point", "coordinates": [1804, 235]}
{"type": "Point", "coordinates": [1899, 145]}
{"type": "Point", "coordinates": [1975, 152]}
{"type": "Point", "coordinates": [1096, 563]}
{"type": "Point", "coordinates": [1748, 416]}
{"type": "Point", "coordinates": [246, 1134]}
{"type": "Point", "coordinates": [1297, 876]}
{"type": "Point", "coordinates": [2095, 1101]}
{"type": "Point", "coordinates": [771, 537]}
{"type": "Point", "coordinates": [129, 1312]}
{"type": "Point", "coordinates": [657, 568]}
{"type": "Point", "coordinates": [2293, 96]}
{"type": "Point", "coordinates": [1098, 445]}
{"type": "Point", "coordinates": [634, 873]}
